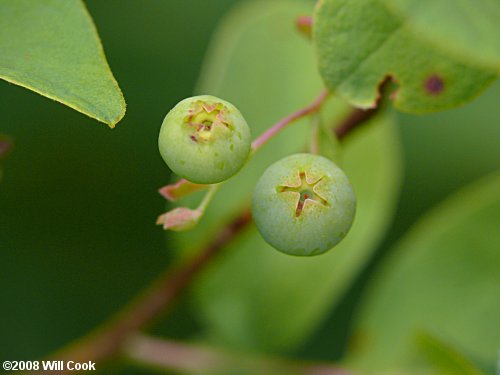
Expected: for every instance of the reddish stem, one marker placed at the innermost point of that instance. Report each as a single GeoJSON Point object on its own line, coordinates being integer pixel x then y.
{"type": "Point", "coordinates": [107, 342]}
{"type": "Point", "coordinates": [181, 357]}
{"type": "Point", "coordinates": [183, 187]}
{"type": "Point", "coordinates": [361, 116]}
{"type": "Point", "coordinates": [355, 118]}
{"type": "Point", "coordinates": [280, 125]}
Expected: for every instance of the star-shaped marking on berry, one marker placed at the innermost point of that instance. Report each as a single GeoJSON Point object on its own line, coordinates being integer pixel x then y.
{"type": "Point", "coordinates": [306, 191]}
{"type": "Point", "coordinates": [203, 116]}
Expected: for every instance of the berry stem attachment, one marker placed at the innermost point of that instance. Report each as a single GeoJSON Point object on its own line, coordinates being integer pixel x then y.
{"type": "Point", "coordinates": [208, 197]}
{"type": "Point", "coordinates": [280, 125]}
{"type": "Point", "coordinates": [108, 341]}
{"type": "Point", "coordinates": [183, 187]}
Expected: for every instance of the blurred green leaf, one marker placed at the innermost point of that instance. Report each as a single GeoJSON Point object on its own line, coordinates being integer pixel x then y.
{"type": "Point", "coordinates": [444, 358]}
{"type": "Point", "coordinates": [467, 28]}
{"type": "Point", "coordinates": [254, 296]}
{"type": "Point", "coordinates": [52, 48]}
{"type": "Point", "coordinates": [443, 279]}
{"type": "Point", "coordinates": [359, 43]}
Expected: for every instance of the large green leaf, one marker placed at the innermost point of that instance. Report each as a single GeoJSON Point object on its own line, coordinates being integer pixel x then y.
{"type": "Point", "coordinates": [360, 42]}
{"type": "Point", "coordinates": [254, 296]}
{"type": "Point", "coordinates": [52, 47]}
{"type": "Point", "coordinates": [467, 28]}
{"type": "Point", "coordinates": [443, 279]}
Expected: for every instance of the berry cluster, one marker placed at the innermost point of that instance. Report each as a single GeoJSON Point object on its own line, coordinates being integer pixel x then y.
{"type": "Point", "coordinates": [302, 205]}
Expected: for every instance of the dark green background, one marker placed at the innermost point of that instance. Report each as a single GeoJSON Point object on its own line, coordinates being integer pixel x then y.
{"type": "Point", "coordinates": [78, 201]}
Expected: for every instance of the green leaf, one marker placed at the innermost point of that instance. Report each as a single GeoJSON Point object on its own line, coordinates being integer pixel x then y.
{"type": "Point", "coordinates": [52, 48]}
{"type": "Point", "coordinates": [253, 296]}
{"type": "Point", "coordinates": [468, 29]}
{"type": "Point", "coordinates": [359, 43]}
{"type": "Point", "coordinates": [444, 279]}
{"type": "Point", "coordinates": [444, 358]}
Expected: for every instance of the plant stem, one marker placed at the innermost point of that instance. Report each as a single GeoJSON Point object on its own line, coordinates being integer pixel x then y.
{"type": "Point", "coordinates": [108, 341]}
{"type": "Point", "coordinates": [200, 359]}
{"type": "Point", "coordinates": [355, 118]}
{"type": "Point", "coordinates": [183, 187]}
{"type": "Point", "coordinates": [359, 116]}
{"type": "Point", "coordinates": [208, 197]}
{"type": "Point", "coordinates": [280, 125]}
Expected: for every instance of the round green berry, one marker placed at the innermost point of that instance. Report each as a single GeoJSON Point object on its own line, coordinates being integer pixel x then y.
{"type": "Point", "coordinates": [303, 205]}
{"type": "Point", "coordinates": [204, 139]}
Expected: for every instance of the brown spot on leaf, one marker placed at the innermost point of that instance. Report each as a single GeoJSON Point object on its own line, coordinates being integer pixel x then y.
{"type": "Point", "coordinates": [434, 85]}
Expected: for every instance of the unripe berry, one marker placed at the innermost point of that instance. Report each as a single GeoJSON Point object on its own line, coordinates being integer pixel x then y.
{"type": "Point", "coordinates": [204, 139]}
{"type": "Point", "coordinates": [303, 205]}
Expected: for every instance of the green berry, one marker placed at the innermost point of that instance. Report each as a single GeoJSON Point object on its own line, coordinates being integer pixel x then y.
{"type": "Point", "coordinates": [303, 205]}
{"type": "Point", "coordinates": [204, 139]}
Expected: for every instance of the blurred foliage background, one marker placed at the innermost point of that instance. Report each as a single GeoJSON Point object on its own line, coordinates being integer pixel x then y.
{"type": "Point", "coordinates": [78, 201]}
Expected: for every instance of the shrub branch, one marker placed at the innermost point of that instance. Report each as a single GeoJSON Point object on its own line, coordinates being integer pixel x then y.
{"type": "Point", "coordinates": [109, 341]}
{"type": "Point", "coordinates": [199, 359]}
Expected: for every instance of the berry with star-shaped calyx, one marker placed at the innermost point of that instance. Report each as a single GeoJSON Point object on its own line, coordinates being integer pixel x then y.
{"type": "Point", "coordinates": [303, 205]}
{"type": "Point", "coordinates": [204, 139]}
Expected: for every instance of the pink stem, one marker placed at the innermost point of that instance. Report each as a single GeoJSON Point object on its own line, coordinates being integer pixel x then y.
{"type": "Point", "coordinates": [283, 123]}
